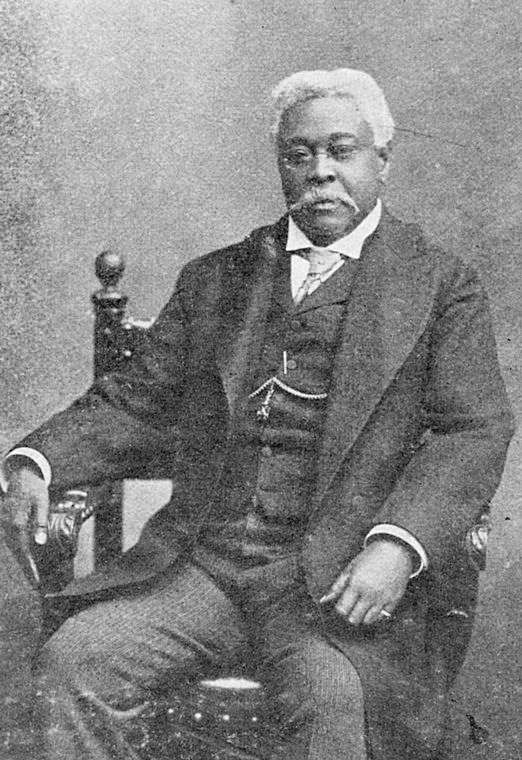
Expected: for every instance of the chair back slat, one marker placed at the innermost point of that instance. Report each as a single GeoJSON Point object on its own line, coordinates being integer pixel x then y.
{"type": "Point", "coordinates": [116, 337]}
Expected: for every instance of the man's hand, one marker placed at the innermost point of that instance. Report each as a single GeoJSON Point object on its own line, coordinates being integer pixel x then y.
{"type": "Point", "coordinates": [25, 508]}
{"type": "Point", "coordinates": [374, 581]}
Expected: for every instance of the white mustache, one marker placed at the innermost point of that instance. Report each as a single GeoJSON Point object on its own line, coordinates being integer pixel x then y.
{"type": "Point", "coordinates": [316, 196]}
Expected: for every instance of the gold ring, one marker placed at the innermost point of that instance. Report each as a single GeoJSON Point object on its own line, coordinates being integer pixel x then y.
{"type": "Point", "coordinates": [385, 614]}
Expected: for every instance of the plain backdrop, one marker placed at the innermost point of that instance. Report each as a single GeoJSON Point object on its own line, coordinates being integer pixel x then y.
{"type": "Point", "coordinates": [143, 127]}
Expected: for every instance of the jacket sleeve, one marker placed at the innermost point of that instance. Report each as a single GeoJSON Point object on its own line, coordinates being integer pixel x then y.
{"type": "Point", "coordinates": [454, 473]}
{"type": "Point", "coordinates": [126, 422]}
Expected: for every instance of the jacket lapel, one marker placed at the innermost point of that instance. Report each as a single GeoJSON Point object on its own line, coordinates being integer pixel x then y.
{"type": "Point", "coordinates": [390, 303]}
{"type": "Point", "coordinates": [250, 287]}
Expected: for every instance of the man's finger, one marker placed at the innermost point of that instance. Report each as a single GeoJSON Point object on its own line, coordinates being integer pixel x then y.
{"type": "Point", "coordinates": [374, 615]}
{"type": "Point", "coordinates": [25, 545]}
{"type": "Point", "coordinates": [338, 587]}
{"type": "Point", "coordinates": [26, 557]}
{"type": "Point", "coordinates": [346, 602]}
{"type": "Point", "coordinates": [42, 516]}
{"type": "Point", "coordinates": [358, 612]}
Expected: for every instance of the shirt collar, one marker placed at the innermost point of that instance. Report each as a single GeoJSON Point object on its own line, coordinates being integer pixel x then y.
{"type": "Point", "coordinates": [349, 245]}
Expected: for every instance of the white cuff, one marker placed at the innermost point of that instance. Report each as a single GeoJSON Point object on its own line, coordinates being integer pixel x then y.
{"type": "Point", "coordinates": [39, 460]}
{"type": "Point", "coordinates": [403, 535]}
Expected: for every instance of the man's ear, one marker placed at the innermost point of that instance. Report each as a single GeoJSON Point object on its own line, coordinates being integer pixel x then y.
{"type": "Point", "coordinates": [384, 158]}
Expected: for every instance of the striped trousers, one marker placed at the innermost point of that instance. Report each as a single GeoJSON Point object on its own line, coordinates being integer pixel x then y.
{"type": "Point", "coordinates": [98, 670]}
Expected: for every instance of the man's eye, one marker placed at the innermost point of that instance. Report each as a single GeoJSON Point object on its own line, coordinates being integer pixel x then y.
{"type": "Point", "coordinates": [342, 152]}
{"type": "Point", "coordinates": [297, 156]}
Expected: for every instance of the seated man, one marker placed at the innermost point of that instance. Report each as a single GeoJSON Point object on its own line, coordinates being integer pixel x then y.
{"type": "Point", "coordinates": [327, 396]}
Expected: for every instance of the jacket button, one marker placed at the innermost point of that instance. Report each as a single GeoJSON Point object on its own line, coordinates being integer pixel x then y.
{"type": "Point", "coordinates": [296, 325]}
{"type": "Point", "coordinates": [291, 364]}
{"type": "Point", "coordinates": [266, 451]}
{"type": "Point", "coordinates": [358, 501]}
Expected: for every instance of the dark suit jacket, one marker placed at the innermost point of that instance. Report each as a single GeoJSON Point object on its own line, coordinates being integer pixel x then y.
{"type": "Point", "coordinates": [416, 434]}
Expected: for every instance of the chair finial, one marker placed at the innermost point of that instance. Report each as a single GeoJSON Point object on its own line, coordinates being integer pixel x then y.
{"type": "Point", "coordinates": [109, 267]}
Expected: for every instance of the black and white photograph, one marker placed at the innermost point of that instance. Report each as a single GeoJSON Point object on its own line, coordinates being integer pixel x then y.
{"type": "Point", "coordinates": [261, 298]}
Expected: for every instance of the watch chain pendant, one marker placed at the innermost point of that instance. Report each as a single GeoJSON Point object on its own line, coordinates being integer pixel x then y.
{"type": "Point", "coordinates": [263, 413]}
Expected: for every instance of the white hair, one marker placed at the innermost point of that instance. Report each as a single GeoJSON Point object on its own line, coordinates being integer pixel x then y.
{"type": "Point", "coordinates": [355, 85]}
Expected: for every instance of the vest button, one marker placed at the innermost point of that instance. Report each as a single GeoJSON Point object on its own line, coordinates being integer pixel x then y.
{"type": "Point", "coordinates": [291, 364]}
{"type": "Point", "coordinates": [358, 501]}
{"type": "Point", "coordinates": [266, 451]}
{"type": "Point", "coordinates": [296, 325]}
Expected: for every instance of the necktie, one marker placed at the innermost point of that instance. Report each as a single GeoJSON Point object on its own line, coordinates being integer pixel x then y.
{"type": "Point", "coordinates": [321, 261]}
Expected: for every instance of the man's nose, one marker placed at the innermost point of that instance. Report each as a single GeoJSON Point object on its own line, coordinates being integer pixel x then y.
{"type": "Point", "coordinates": [321, 169]}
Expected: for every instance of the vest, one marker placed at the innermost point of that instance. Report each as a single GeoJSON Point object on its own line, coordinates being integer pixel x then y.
{"type": "Point", "coordinates": [269, 475]}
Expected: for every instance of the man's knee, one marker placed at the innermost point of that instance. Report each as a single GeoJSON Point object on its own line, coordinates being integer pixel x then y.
{"type": "Point", "coordinates": [86, 655]}
{"type": "Point", "coordinates": [69, 651]}
{"type": "Point", "coordinates": [324, 686]}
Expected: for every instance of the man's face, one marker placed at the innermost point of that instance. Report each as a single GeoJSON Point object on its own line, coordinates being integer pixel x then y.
{"type": "Point", "coordinates": [331, 173]}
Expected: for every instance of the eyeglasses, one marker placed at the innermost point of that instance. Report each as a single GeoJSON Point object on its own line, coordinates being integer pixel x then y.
{"type": "Point", "coordinates": [302, 156]}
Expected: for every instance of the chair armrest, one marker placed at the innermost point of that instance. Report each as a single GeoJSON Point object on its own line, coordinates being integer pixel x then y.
{"type": "Point", "coordinates": [477, 540]}
{"type": "Point", "coordinates": [65, 521]}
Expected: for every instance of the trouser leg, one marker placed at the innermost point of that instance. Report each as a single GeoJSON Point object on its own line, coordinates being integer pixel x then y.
{"type": "Point", "coordinates": [315, 689]}
{"type": "Point", "coordinates": [96, 672]}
